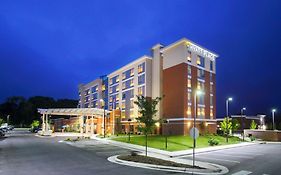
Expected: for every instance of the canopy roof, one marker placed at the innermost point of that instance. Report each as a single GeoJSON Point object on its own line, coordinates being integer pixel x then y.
{"type": "Point", "coordinates": [73, 111]}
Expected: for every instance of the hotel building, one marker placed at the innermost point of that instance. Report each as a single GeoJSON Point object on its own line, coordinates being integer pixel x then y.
{"type": "Point", "coordinates": [173, 72]}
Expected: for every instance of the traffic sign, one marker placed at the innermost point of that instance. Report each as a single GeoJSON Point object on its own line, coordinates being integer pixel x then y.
{"type": "Point", "coordinates": [194, 133]}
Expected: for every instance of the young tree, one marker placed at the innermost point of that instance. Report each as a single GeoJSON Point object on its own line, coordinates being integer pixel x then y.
{"type": "Point", "coordinates": [235, 125]}
{"type": "Point", "coordinates": [253, 125]}
{"type": "Point", "coordinates": [226, 126]}
{"type": "Point", "coordinates": [147, 109]}
{"type": "Point", "coordinates": [1, 121]}
{"type": "Point", "coordinates": [35, 124]}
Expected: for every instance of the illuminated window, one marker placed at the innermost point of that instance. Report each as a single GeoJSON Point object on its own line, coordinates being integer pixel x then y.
{"type": "Point", "coordinates": [131, 114]}
{"type": "Point", "coordinates": [141, 90]}
{"type": "Point", "coordinates": [211, 100]}
{"type": "Point", "coordinates": [189, 56]}
{"type": "Point", "coordinates": [110, 90]}
{"type": "Point", "coordinates": [103, 87]}
{"type": "Point", "coordinates": [201, 73]}
{"type": "Point", "coordinates": [117, 78]}
{"type": "Point", "coordinates": [132, 82]}
{"type": "Point", "coordinates": [123, 85]}
{"type": "Point", "coordinates": [110, 81]}
{"type": "Point", "coordinates": [200, 61]}
{"type": "Point", "coordinates": [110, 99]}
{"type": "Point", "coordinates": [123, 75]}
{"type": "Point", "coordinates": [200, 85]}
{"type": "Point", "coordinates": [189, 96]}
{"type": "Point", "coordinates": [189, 69]}
{"type": "Point", "coordinates": [211, 113]}
{"type": "Point", "coordinates": [201, 111]}
{"type": "Point", "coordinates": [189, 83]}
{"type": "Point", "coordinates": [123, 115]}
{"type": "Point", "coordinates": [188, 112]}
{"type": "Point", "coordinates": [141, 68]}
{"type": "Point", "coordinates": [117, 98]}
{"type": "Point", "coordinates": [123, 105]}
{"type": "Point", "coordinates": [117, 88]}
{"type": "Point", "coordinates": [132, 104]}
{"type": "Point", "coordinates": [132, 72]}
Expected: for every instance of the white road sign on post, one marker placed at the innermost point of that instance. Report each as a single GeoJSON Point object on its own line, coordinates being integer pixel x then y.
{"type": "Point", "coordinates": [194, 133]}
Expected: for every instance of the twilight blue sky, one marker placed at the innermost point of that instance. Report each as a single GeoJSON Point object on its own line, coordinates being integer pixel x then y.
{"type": "Point", "coordinates": [48, 47]}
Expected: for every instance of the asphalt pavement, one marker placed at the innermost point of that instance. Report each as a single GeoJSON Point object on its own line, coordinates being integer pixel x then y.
{"type": "Point", "coordinates": [23, 153]}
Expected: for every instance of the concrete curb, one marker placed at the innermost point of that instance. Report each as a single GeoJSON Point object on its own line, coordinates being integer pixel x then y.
{"type": "Point", "coordinates": [213, 171]}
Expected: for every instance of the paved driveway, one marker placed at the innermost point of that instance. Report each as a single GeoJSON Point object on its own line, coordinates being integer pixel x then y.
{"type": "Point", "coordinates": [254, 159]}
{"type": "Point", "coordinates": [22, 153]}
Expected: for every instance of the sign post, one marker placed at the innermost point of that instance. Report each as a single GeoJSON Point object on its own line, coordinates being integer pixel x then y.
{"type": "Point", "coordinates": [194, 133]}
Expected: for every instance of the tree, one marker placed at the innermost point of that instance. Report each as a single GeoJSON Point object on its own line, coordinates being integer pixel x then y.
{"type": "Point", "coordinates": [1, 121]}
{"type": "Point", "coordinates": [226, 126]}
{"type": "Point", "coordinates": [35, 124]}
{"type": "Point", "coordinates": [235, 125]}
{"type": "Point", "coordinates": [147, 110]}
{"type": "Point", "coordinates": [253, 125]}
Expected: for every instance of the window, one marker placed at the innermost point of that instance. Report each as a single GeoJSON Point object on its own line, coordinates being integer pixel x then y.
{"type": "Point", "coordinates": [132, 93]}
{"type": "Point", "coordinates": [132, 104]}
{"type": "Point", "coordinates": [189, 96]}
{"type": "Point", "coordinates": [123, 95]}
{"type": "Point", "coordinates": [200, 111]}
{"type": "Point", "coordinates": [211, 100]}
{"type": "Point", "coordinates": [95, 89]}
{"type": "Point", "coordinates": [141, 90]}
{"type": "Point", "coordinates": [211, 88]}
{"type": "Point", "coordinates": [110, 90]}
{"type": "Point", "coordinates": [211, 65]}
{"type": "Point", "coordinates": [114, 80]}
{"type": "Point", "coordinates": [95, 96]}
{"type": "Point", "coordinates": [201, 100]}
{"type": "Point", "coordinates": [123, 85]}
{"type": "Point", "coordinates": [211, 113]}
{"type": "Point", "coordinates": [188, 112]}
{"type": "Point", "coordinates": [189, 56]}
{"type": "Point", "coordinates": [200, 73]}
{"type": "Point", "coordinates": [131, 82]}
{"type": "Point", "coordinates": [211, 77]}
{"type": "Point", "coordinates": [141, 79]}
{"type": "Point", "coordinates": [189, 83]}
{"type": "Point", "coordinates": [200, 61]}
{"type": "Point", "coordinates": [188, 69]}
{"type": "Point", "coordinates": [123, 105]}
{"type": "Point", "coordinates": [141, 67]}
{"type": "Point", "coordinates": [131, 114]}
{"type": "Point", "coordinates": [127, 74]}
{"type": "Point", "coordinates": [200, 85]}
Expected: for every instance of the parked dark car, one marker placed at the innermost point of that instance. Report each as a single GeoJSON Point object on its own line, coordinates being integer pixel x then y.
{"type": "Point", "coordinates": [2, 133]}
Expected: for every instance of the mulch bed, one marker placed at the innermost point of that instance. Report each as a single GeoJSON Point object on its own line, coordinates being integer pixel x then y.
{"type": "Point", "coordinates": [154, 161]}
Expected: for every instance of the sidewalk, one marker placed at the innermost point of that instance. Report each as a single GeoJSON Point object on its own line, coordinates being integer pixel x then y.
{"type": "Point", "coordinates": [171, 153]}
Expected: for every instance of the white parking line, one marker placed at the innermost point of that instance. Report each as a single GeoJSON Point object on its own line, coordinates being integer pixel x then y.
{"type": "Point", "coordinates": [242, 172]}
{"type": "Point", "coordinates": [232, 155]}
{"type": "Point", "coordinates": [223, 160]}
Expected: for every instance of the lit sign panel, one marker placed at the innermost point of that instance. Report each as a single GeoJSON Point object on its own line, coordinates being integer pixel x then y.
{"type": "Point", "coordinates": [200, 51]}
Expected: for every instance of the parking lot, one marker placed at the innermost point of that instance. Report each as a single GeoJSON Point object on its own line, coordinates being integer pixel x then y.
{"type": "Point", "coordinates": [260, 159]}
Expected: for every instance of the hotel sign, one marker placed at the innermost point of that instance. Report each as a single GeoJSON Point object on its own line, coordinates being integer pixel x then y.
{"type": "Point", "coordinates": [200, 51]}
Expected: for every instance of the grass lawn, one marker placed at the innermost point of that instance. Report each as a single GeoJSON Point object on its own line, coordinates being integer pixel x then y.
{"type": "Point", "coordinates": [176, 143]}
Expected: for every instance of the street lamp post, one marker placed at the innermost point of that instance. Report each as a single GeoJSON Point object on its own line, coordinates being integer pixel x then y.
{"type": "Point", "coordinates": [243, 109]}
{"type": "Point", "coordinates": [197, 93]}
{"type": "Point", "coordinates": [227, 105]}
{"type": "Point", "coordinates": [166, 135]}
{"type": "Point", "coordinates": [129, 120]}
{"type": "Point", "coordinates": [103, 106]}
{"type": "Point", "coordinates": [273, 124]}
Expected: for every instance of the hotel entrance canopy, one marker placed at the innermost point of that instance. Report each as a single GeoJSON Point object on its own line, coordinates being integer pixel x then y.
{"type": "Point", "coordinates": [80, 112]}
{"type": "Point", "coordinates": [73, 111]}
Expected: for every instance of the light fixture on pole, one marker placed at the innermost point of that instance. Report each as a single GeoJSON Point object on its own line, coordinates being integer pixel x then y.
{"type": "Point", "coordinates": [227, 105]}
{"type": "Point", "coordinates": [103, 105]}
{"type": "Point", "coordinates": [242, 120]}
{"type": "Point", "coordinates": [194, 130]}
{"type": "Point", "coordinates": [273, 124]}
{"type": "Point", "coordinates": [129, 121]}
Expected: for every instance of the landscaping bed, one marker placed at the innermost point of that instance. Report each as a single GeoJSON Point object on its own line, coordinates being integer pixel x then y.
{"type": "Point", "coordinates": [177, 143]}
{"type": "Point", "coordinates": [154, 161]}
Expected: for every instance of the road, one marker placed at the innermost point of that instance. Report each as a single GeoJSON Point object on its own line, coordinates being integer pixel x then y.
{"type": "Point", "coordinates": [260, 159]}
{"type": "Point", "coordinates": [22, 153]}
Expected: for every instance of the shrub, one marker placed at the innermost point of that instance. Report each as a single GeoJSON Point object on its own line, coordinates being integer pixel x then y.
{"type": "Point", "coordinates": [213, 142]}
{"type": "Point", "coordinates": [252, 138]}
